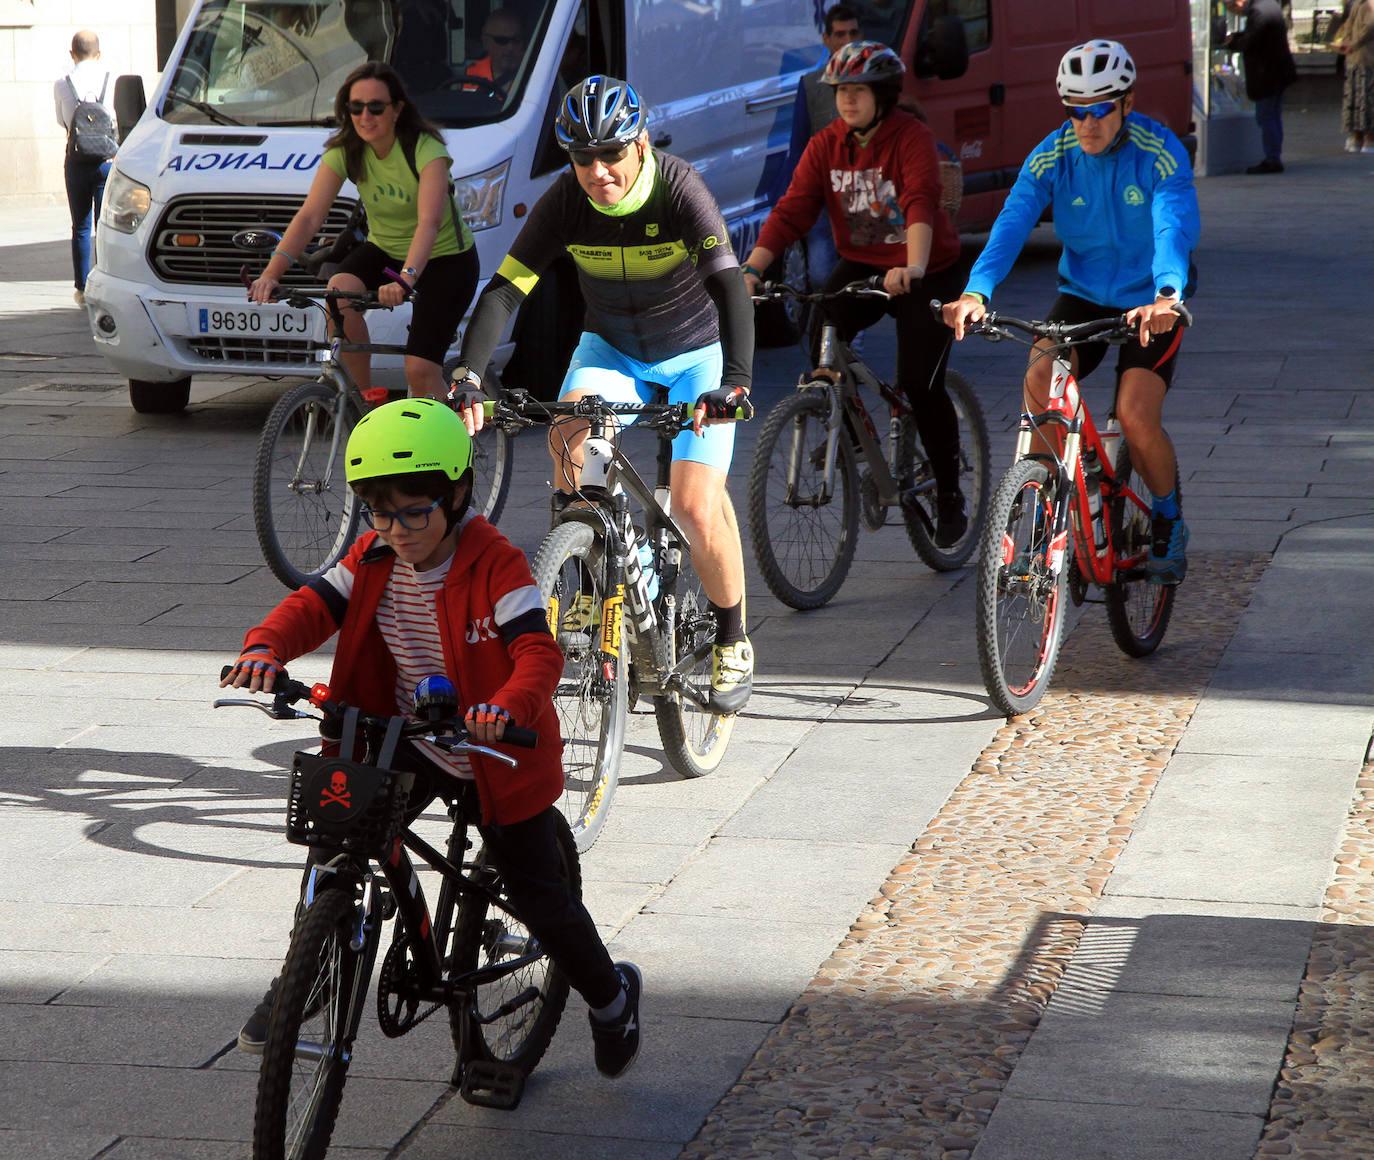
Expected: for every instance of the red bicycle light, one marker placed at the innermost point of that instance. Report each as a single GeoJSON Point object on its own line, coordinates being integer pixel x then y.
{"type": "Point", "coordinates": [319, 694]}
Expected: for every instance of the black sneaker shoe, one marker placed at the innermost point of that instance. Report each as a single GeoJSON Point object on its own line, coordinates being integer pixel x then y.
{"type": "Point", "coordinates": [1266, 166]}
{"type": "Point", "coordinates": [951, 520]}
{"type": "Point", "coordinates": [253, 1034]}
{"type": "Point", "coordinates": [616, 1044]}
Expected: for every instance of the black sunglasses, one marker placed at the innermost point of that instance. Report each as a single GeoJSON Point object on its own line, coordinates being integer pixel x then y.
{"type": "Point", "coordinates": [607, 155]}
{"type": "Point", "coordinates": [376, 108]}
{"type": "Point", "coordinates": [502, 41]}
{"type": "Point", "coordinates": [1097, 112]}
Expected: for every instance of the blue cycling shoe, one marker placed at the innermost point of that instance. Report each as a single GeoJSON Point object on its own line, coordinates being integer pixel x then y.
{"type": "Point", "coordinates": [1168, 562]}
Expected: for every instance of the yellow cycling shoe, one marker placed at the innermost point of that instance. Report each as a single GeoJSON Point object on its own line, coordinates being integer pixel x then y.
{"type": "Point", "coordinates": [581, 614]}
{"type": "Point", "coordinates": [732, 676]}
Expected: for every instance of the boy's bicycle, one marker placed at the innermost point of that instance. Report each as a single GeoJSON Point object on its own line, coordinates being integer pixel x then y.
{"type": "Point", "coordinates": [305, 514]}
{"type": "Point", "coordinates": [806, 491]}
{"type": "Point", "coordinates": [1092, 493]}
{"type": "Point", "coordinates": [475, 958]}
{"type": "Point", "coordinates": [626, 605]}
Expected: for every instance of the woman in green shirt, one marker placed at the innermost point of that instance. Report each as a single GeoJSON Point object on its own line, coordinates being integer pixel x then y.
{"type": "Point", "coordinates": [400, 166]}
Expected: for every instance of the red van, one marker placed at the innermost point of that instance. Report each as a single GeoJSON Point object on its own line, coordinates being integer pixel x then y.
{"type": "Point", "coordinates": [984, 71]}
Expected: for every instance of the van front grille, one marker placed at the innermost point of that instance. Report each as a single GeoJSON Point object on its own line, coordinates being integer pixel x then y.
{"type": "Point", "coordinates": [193, 242]}
{"type": "Point", "coordinates": [254, 351]}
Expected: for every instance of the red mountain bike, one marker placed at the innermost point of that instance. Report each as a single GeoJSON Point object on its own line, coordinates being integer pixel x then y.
{"type": "Point", "coordinates": [1090, 492]}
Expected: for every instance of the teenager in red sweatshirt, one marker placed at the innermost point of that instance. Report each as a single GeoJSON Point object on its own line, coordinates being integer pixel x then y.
{"type": "Point", "coordinates": [876, 171]}
{"type": "Point", "coordinates": [436, 589]}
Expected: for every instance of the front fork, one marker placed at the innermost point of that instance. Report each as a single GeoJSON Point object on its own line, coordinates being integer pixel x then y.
{"type": "Point", "coordinates": [1065, 476]}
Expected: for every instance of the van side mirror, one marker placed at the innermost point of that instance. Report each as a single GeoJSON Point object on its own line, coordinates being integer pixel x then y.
{"type": "Point", "coordinates": [942, 48]}
{"type": "Point", "coordinates": [129, 102]}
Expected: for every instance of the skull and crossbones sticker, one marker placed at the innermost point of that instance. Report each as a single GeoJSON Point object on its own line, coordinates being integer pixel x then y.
{"type": "Point", "coordinates": [337, 793]}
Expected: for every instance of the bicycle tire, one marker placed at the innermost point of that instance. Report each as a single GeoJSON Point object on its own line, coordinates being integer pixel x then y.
{"type": "Point", "coordinates": [483, 935]}
{"type": "Point", "coordinates": [312, 1000]}
{"type": "Point", "coordinates": [591, 716]}
{"type": "Point", "coordinates": [1138, 612]}
{"type": "Point", "coordinates": [793, 574]}
{"type": "Point", "coordinates": [304, 525]}
{"type": "Point", "coordinates": [1016, 586]}
{"type": "Point", "coordinates": [694, 739]}
{"type": "Point", "coordinates": [493, 464]}
{"type": "Point", "coordinates": [975, 480]}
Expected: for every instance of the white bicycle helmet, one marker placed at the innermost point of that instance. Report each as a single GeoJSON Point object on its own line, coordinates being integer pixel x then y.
{"type": "Point", "coordinates": [1095, 71]}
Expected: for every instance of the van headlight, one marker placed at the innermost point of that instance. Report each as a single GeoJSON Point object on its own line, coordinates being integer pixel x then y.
{"type": "Point", "coordinates": [480, 196]}
{"type": "Point", "coordinates": [126, 203]}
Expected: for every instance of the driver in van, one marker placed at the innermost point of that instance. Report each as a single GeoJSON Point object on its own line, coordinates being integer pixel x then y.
{"type": "Point", "coordinates": [503, 38]}
{"type": "Point", "coordinates": [665, 304]}
{"type": "Point", "coordinates": [400, 165]}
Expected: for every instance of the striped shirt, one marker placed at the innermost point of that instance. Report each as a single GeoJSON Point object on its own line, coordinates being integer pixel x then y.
{"type": "Point", "coordinates": [409, 624]}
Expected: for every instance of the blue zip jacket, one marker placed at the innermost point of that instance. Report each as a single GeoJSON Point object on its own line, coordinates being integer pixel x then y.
{"type": "Point", "coordinates": [1128, 218]}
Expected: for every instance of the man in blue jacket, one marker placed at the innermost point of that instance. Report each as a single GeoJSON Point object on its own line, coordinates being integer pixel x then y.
{"type": "Point", "coordinates": [1121, 190]}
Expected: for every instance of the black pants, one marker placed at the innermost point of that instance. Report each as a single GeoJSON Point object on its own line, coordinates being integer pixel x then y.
{"type": "Point", "coordinates": [526, 855]}
{"type": "Point", "coordinates": [922, 354]}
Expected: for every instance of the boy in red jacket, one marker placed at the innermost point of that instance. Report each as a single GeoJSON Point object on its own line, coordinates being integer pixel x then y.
{"type": "Point", "coordinates": [876, 171]}
{"type": "Point", "coordinates": [437, 589]}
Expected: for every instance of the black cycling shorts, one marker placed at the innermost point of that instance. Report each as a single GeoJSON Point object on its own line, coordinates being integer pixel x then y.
{"type": "Point", "coordinates": [1159, 355]}
{"type": "Point", "coordinates": [443, 294]}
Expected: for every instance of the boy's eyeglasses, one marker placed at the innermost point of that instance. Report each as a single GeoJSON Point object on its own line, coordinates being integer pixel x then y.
{"type": "Point", "coordinates": [1097, 112]}
{"type": "Point", "coordinates": [607, 155]}
{"type": "Point", "coordinates": [376, 108]}
{"type": "Point", "coordinates": [412, 519]}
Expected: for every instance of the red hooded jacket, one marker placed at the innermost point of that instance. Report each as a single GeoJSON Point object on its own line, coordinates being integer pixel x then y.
{"type": "Point", "coordinates": [497, 649]}
{"type": "Point", "coordinates": [873, 193]}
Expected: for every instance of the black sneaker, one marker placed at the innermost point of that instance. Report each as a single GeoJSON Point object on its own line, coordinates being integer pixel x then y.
{"type": "Point", "coordinates": [616, 1044]}
{"type": "Point", "coordinates": [253, 1034]}
{"type": "Point", "coordinates": [951, 519]}
{"type": "Point", "coordinates": [1268, 165]}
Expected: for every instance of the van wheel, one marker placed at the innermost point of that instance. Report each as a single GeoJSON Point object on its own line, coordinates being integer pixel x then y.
{"type": "Point", "coordinates": [546, 333]}
{"type": "Point", "coordinates": [783, 323]}
{"type": "Point", "coordinates": [159, 398]}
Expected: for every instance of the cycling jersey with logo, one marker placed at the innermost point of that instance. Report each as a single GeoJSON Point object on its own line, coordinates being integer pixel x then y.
{"type": "Point", "coordinates": [641, 272]}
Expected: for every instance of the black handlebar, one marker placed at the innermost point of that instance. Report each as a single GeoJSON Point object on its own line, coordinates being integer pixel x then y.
{"type": "Point", "coordinates": [517, 403]}
{"type": "Point", "coordinates": [286, 692]}
{"type": "Point", "coordinates": [869, 287]}
{"type": "Point", "coordinates": [996, 325]}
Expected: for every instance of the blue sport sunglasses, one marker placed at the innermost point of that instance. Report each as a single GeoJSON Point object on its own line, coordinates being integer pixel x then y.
{"type": "Point", "coordinates": [1097, 112]}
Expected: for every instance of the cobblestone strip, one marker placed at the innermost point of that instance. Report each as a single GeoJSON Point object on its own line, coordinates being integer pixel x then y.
{"type": "Point", "coordinates": [1323, 1103]}
{"type": "Point", "coordinates": [901, 1044]}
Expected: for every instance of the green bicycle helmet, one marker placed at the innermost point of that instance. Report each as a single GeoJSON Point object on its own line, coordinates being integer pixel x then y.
{"type": "Point", "coordinates": [407, 437]}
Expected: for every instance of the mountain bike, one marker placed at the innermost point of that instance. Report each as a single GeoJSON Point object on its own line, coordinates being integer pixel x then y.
{"type": "Point", "coordinates": [474, 958]}
{"type": "Point", "coordinates": [304, 512]}
{"type": "Point", "coordinates": [626, 605]}
{"type": "Point", "coordinates": [1090, 492]}
{"type": "Point", "coordinates": [821, 467]}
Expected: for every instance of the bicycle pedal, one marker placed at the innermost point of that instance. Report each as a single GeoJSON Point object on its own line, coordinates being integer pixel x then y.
{"type": "Point", "coordinates": [489, 1084]}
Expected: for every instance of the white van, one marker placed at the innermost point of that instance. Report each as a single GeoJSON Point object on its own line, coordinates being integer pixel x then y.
{"type": "Point", "coordinates": [236, 128]}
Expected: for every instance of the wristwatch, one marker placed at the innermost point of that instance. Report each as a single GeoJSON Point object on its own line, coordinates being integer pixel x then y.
{"type": "Point", "coordinates": [1169, 292]}
{"type": "Point", "coordinates": [411, 273]}
{"type": "Point", "coordinates": [463, 374]}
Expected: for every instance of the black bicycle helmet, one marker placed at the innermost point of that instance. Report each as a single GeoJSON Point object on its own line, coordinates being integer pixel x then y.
{"type": "Point", "coordinates": [864, 62]}
{"type": "Point", "coordinates": [598, 111]}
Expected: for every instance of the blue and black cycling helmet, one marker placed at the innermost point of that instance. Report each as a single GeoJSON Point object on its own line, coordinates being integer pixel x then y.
{"type": "Point", "coordinates": [599, 111]}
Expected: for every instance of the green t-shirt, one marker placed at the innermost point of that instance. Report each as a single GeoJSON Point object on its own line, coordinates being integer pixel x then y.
{"type": "Point", "coordinates": [388, 190]}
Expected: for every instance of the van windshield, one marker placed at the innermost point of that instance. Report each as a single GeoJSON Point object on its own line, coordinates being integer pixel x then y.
{"type": "Point", "coordinates": [280, 62]}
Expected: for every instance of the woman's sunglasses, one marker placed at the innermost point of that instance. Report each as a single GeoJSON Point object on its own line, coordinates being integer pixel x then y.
{"type": "Point", "coordinates": [608, 155]}
{"type": "Point", "coordinates": [376, 108]}
{"type": "Point", "coordinates": [1097, 112]}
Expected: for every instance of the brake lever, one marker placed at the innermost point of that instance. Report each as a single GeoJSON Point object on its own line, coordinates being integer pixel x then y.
{"type": "Point", "coordinates": [473, 747]}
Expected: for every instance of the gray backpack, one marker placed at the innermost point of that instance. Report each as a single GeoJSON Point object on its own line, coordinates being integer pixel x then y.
{"type": "Point", "coordinates": [92, 134]}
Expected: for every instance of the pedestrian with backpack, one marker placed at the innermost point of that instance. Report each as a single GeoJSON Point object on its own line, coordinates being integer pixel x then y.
{"type": "Point", "coordinates": [83, 98]}
{"type": "Point", "coordinates": [400, 166]}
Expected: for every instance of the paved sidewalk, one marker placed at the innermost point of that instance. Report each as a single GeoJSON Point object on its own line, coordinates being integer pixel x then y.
{"type": "Point", "coordinates": [148, 896]}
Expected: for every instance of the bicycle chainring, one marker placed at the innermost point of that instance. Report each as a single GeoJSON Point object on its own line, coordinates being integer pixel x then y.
{"type": "Point", "coordinates": [874, 514]}
{"type": "Point", "coordinates": [398, 1005]}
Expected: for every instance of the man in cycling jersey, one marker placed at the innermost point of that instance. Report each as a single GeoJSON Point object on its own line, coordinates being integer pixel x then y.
{"type": "Point", "coordinates": [1125, 209]}
{"type": "Point", "coordinates": [665, 305]}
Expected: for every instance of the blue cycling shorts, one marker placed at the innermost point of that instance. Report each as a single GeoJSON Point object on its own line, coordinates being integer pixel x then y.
{"type": "Point", "coordinates": [598, 368]}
